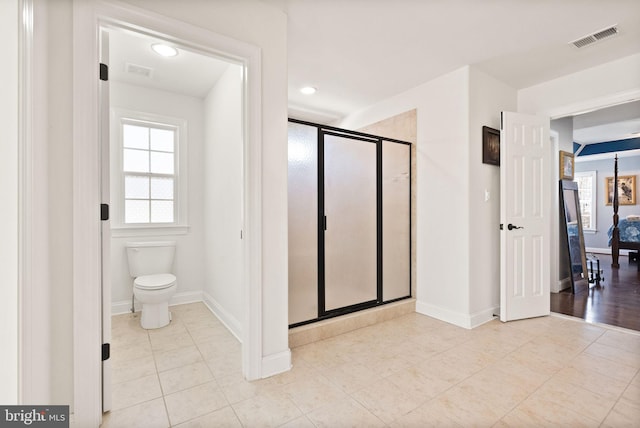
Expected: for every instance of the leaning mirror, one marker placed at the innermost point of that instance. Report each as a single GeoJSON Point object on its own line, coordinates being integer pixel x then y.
{"type": "Point", "coordinates": [572, 225]}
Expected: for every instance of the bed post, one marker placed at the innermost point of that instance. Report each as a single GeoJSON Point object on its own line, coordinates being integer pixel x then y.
{"type": "Point", "coordinates": [615, 236]}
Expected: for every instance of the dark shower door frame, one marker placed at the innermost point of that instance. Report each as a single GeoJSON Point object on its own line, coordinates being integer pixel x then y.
{"type": "Point", "coordinates": [323, 131]}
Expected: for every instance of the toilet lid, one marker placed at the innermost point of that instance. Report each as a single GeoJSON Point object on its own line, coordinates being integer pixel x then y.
{"type": "Point", "coordinates": [155, 282]}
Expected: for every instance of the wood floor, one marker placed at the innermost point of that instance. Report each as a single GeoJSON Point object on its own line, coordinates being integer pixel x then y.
{"type": "Point", "coordinates": [615, 302]}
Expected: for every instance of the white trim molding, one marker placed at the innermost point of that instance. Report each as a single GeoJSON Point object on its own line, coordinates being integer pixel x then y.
{"type": "Point", "coordinates": [233, 324]}
{"type": "Point", "coordinates": [276, 363]}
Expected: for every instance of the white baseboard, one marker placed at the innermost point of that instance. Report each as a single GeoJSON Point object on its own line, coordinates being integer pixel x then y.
{"type": "Point", "coordinates": [276, 363]}
{"type": "Point", "coordinates": [124, 306]}
{"type": "Point", "coordinates": [605, 251]}
{"type": "Point", "coordinates": [467, 321]}
{"type": "Point", "coordinates": [561, 285]}
{"type": "Point", "coordinates": [483, 317]}
{"type": "Point", "coordinates": [234, 326]}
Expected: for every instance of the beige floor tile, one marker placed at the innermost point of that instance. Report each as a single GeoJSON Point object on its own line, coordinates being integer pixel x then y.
{"type": "Point", "coordinates": [616, 339]}
{"type": "Point", "coordinates": [344, 413]}
{"type": "Point", "coordinates": [529, 418]}
{"type": "Point", "coordinates": [419, 385]}
{"type": "Point", "coordinates": [628, 358]}
{"type": "Point", "coordinates": [429, 415]}
{"type": "Point", "coordinates": [125, 394]}
{"type": "Point", "coordinates": [631, 395]}
{"type": "Point", "coordinates": [386, 400]}
{"type": "Point", "coordinates": [224, 417]}
{"type": "Point", "coordinates": [465, 408]}
{"type": "Point", "coordinates": [194, 402]}
{"type": "Point", "coordinates": [223, 365]}
{"type": "Point", "coordinates": [592, 381]}
{"type": "Point", "coordinates": [151, 414]}
{"type": "Point", "coordinates": [161, 343]}
{"type": "Point", "coordinates": [605, 366]}
{"type": "Point", "coordinates": [131, 351]}
{"type": "Point", "coordinates": [582, 401]}
{"type": "Point", "coordinates": [184, 377]}
{"type": "Point", "coordinates": [219, 348]}
{"type": "Point", "coordinates": [270, 410]}
{"type": "Point", "coordinates": [312, 393]}
{"type": "Point", "coordinates": [177, 357]}
{"type": "Point", "coordinates": [622, 415]}
{"type": "Point", "coordinates": [350, 377]}
{"type": "Point", "coordinates": [301, 422]}
{"type": "Point", "coordinates": [412, 371]}
{"type": "Point", "coordinates": [125, 370]}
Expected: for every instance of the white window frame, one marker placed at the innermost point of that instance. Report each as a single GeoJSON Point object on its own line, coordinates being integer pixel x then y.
{"type": "Point", "coordinates": [118, 225]}
{"type": "Point", "coordinates": [594, 187]}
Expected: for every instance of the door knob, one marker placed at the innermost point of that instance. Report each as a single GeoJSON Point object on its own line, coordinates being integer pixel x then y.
{"type": "Point", "coordinates": [511, 227]}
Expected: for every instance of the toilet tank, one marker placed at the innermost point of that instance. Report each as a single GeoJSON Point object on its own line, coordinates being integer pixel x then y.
{"type": "Point", "coordinates": [148, 258]}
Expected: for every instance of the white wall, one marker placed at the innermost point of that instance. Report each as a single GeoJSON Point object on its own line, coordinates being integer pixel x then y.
{"type": "Point", "coordinates": [9, 84]}
{"type": "Point", "coordinates": [443, 177]}
{"type": "Point", "coordinates": [223, 189]}
{"type": "Point", "coordinates": [487, 98]}
{"type": "Point", "coordinates": [189, 258]}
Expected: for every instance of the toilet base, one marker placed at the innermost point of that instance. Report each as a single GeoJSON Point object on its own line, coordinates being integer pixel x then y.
{"type": "Point", "coordinates": [155, 315]}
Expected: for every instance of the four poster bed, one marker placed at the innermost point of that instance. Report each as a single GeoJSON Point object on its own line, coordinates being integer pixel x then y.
{"type": "Point", "coordinates": [624, 234]}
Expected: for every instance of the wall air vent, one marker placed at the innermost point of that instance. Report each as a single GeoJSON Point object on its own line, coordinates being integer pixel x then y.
{"type": "Point", "coordinates": [595, 37]}
{"type": "Point", "coordinates": [138, 70]}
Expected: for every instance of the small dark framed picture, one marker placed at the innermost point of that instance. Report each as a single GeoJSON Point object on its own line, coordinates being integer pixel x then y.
{"type": "Point", "coordinates": [490, 146]}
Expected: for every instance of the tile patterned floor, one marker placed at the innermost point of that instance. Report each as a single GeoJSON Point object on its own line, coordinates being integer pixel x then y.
{"type": "Point", "coordinates": [413, 371]}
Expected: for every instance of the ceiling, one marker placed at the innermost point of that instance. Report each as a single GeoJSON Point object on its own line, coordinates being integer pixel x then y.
{"type": "Point", "coordinates": [359, 52]}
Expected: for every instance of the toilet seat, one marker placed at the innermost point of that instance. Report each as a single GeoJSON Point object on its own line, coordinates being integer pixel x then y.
{"type": "Point", "coordinates": [155, 282]}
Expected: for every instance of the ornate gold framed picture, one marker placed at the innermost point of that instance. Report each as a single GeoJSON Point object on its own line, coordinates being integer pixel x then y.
{"type": "Point", "coordinates": [626, 190]}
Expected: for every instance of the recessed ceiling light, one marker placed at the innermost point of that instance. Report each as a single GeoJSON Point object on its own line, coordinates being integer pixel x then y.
{"type": "Point", "coordinates": [164, 50]}
{"type": "Point", "coordinates": [308, 90]}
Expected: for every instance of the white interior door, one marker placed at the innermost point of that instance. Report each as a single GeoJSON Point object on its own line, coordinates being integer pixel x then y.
{"type": "Point", "coordinates": [105, 223]}
{"type": "Point", "coordinates": [525, 214]}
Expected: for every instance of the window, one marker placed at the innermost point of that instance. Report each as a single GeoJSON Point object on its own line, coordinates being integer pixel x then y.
{"type": "Point", "coordinates": [587, 195]}
{"type": "Point", "coordinates": [147, 154]}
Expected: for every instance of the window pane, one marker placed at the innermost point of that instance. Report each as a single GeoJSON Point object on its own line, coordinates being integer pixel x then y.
{"type": "Point", "coordinates": [135, 137]}
{"type": "Point", "coordinates": [161, 163]}
{"type": "Point", "coordinates": [162, 139]}
{"type": "Point", "coordinates": [162, 211]}
{"type": "Point", "coordinates": [136, 211]}
{"type": "Point", "coordinates": [162, 188]}
{"type": "Point", "coordinates": [136, 160]}
{"type": "Point", "coordinates": [136, 187]}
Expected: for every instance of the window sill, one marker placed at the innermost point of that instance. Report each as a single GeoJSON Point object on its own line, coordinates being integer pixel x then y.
{"type": "Point", "coordinates": [130, 231]}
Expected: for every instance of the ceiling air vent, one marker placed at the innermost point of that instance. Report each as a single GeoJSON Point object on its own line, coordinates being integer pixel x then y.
{"type": "Point", "coordinates": [138, 70]}
{"type": "Point", "coordinates": [595, 37]}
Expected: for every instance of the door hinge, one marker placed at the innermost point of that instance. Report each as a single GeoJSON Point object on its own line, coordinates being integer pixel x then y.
{"type": "Point", "coordinates": [106, 351]}
{"type": "Point", "coordinates": [104, 72]}
{"type": "Point", "coordinates": [104, 212]}
{"type": "Point", "coordinates": [501, 226]}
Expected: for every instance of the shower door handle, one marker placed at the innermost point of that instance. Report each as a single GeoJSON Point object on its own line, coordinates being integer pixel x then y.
{"type": "Point", "coordinates": [324, 222]}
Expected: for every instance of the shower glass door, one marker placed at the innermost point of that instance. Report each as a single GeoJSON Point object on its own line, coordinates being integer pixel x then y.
{"type": "Point", "coordinates": [348, 202]}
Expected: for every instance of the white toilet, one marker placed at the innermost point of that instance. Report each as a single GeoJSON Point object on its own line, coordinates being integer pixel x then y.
{"type": "Point", "coordinates": [150, 263]}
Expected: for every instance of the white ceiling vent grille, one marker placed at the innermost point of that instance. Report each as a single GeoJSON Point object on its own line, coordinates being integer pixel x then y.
{"type": "Point", "coordinates": [138, 70]}
{"type": "Point", "coordinates": [595, 37]}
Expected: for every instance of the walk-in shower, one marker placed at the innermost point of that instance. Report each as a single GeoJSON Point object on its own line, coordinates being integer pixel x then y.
{"type": "Point", "coordinates": [349, 221]}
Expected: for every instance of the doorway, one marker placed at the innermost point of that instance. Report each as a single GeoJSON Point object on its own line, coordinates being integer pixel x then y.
{"type": "Point", "coordinates": [174, 171]}
{"type": "Point", "coordinates": [87, 243]}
